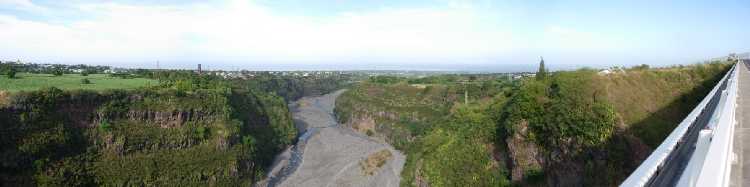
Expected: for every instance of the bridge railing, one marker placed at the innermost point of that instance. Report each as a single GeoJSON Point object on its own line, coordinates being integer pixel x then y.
{"type": "Point", "coordinates": [711, 163]}
{"type": "Point", "coordinates": [652, 166]}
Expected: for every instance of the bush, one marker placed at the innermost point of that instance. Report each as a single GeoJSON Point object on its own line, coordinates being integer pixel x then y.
{"type": "Point", "coordinates": [641, 67]}
{"type": "Point", "coordinates": [386, 79]}
{"type": "Point", "coordinates": [57, 72]}
{"type": "Point", "coordinates": [201, 132]}
{"type": "Point", "coordinates": [104, 125]}
{"type": "Point", "coordinates": [85, 81]}
{"type": "Point", "coordinates": [84, 73]}
{"type": "Point", "coordinates": [566, 110]}
{"type": "Point", "coordinates": [11, 74]}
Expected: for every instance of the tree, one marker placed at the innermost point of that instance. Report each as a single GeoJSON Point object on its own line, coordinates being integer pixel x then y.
{"type": "Point", "coordinates": [85, 73]}
{"type": "Point", "coordinates": [641, 67]}
{"type": "Point", "coordinates": [85, 81]}
{"type": "Point", "coordinates": [542, 73]}
{"type": "Point", "coordinates": [57, 72]}
{"type": "Point", "coordinates": [11, 74]}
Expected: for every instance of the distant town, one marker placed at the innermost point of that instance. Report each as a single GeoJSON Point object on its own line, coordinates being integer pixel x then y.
{"type": "Point", "coordinates": [46, 68]}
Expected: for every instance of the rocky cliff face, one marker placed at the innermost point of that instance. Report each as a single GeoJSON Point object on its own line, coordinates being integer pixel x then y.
{"type": "Point", "coordinates": [86, 114]}
{"type": "Point", "coordinates": [167, 119]}
{"type": "Point", "coordinates": [55, 137]}
{"type": "Point", "coordinates": [569, 164]}
{"type": "Point", "coordinates": [645, 104]}
{"type": "Point", "coordinates": [524, 156]}
{"type": "Point", "coordinates": [576, 128]}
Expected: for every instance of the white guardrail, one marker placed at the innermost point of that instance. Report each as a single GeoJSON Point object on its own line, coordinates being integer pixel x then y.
{"type": "Point", "coordinates": [712, 163]}
{"type": "Point", "coordinates": [718, 145]}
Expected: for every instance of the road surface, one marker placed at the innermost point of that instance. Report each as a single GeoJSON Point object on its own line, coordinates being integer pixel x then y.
{"type": "Point", "coordinates": [741, 170]}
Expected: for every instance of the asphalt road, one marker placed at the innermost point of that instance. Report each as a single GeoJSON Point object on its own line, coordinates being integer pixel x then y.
{"type": "Point", "coordinates": [740, 173]}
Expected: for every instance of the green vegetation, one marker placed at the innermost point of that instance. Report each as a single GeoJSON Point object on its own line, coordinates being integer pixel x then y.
{"type": "Point", "coordinates": [446, 143]}
{"type": "Point", "coordinates": [652, 102]}
{"type": "Point", "coordinates": [50, 68]}
{"type": "Point", "coordinates": [569, 128]}
{"type": "Point", "coordinates": [144, 128]}
{"type": "Point", "coordinates": [292, 88]}
{"type": "Point", "coordinates": [57, 72]}
{"type": "Point", "coordinates": [187, 130]}
{"type": "Point", "coordinates": [566, 108]}
{"type": "Point", "coordinates": [31, 82]}
{"type": "Point", "coordinates": [10, 73]}
{"type": "Point", "coordinates": [541, 74]}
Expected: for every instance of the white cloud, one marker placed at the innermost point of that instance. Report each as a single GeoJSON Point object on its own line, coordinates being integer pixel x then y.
{"type": "Point", "coordinates": [24, 5]}
{"type": "Point", "coordinates": [242, 31]}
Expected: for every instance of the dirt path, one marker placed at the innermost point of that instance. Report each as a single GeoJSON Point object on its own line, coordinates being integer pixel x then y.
{"type": "Point", "coordinates": [329, 155]}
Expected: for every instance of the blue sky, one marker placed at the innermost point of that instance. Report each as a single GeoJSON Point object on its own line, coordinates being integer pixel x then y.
{"type": "Point", "coordinates": [344, 34]}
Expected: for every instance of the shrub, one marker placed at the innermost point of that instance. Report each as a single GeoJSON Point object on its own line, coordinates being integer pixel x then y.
{"type": "Point", "coordinates": [104, 125]}
{"type": "Point", "coordinates": [84, 73]}
{"type": "Point", "coordinates": [122, 75]}
{"type": "Point", "coordinates": [11, 74]}
{"type": "Point", "coordinates": [85, 81]}
{"type": "Point", "coordinates": [248, 140]}
{"type": "Point", "coordinates": [641, 67]}
{"type": "Point", "coordinates": [201, 132]}
{"type": "Point", "coordinates": [57, 72]}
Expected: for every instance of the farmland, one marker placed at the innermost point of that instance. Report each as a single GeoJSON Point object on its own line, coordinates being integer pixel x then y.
{"type": "Point", "coordinates": [31, 82]}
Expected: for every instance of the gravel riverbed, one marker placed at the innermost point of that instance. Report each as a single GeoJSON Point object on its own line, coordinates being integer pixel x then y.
{"type": "Point", "coordinates": [327, 154]}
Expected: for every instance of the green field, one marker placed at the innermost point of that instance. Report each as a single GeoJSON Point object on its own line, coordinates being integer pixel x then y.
{"type": "Point", "coordinates": [30, 82]}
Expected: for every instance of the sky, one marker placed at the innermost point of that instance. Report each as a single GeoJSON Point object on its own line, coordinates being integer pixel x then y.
{"type": "Point", "coordinates": [386, 34]}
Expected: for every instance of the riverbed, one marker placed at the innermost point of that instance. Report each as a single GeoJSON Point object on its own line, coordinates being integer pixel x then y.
{"type": "Point", "coordinates": [327, 154]}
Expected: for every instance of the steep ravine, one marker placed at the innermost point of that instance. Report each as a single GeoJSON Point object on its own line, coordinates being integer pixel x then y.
{"type": "Point", "coordinates": [327, 154]}
{"type": "Point", "coordinates": [151, 137]}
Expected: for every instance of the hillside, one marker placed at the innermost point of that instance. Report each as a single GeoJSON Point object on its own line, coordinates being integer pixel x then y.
{"type": "Point", "coordinates": [292, 88]}
{"type": "Point", "coordinates": [424, 119]}
{"type": "Point", "coordinates": [186, 131]}
{"type": "Point", "coordinates": [571, 128]}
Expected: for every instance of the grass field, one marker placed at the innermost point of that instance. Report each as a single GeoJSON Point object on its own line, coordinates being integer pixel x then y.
{"type": "Point", "coordinates": [30, 82]}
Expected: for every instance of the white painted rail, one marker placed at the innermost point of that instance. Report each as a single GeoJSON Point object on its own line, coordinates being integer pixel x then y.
{"type": "Point", "coordinates": [713, 162]}
{"type": "Point", "coordinates": [650, 167]}
{"type": "Point", "coordinates": [717, 165]}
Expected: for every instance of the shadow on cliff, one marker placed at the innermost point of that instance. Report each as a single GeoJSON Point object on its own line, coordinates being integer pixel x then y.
{"type": "Point", "coordinates": [653, 129]}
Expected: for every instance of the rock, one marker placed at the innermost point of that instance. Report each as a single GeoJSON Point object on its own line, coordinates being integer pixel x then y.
{"type": "Point", "coordinates": [523, 153]}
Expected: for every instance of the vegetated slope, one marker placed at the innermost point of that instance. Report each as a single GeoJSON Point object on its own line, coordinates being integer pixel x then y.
{"type": "Point", "coordinates": [292, 88]}
{"type": "Point", "coordinates": [569, 129]}
{"type": "Point", "coordinates": [588, 129]}
{"type": "Point", "coordinates": [446, 143]}
{"type": "Point", "coordinates": [651, 101]}
{"type": "Point", "coordinates": [188, 131]}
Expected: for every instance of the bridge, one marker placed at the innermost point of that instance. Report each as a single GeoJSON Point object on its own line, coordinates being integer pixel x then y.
{"type": "Point", "coordinates": [711, 145]}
